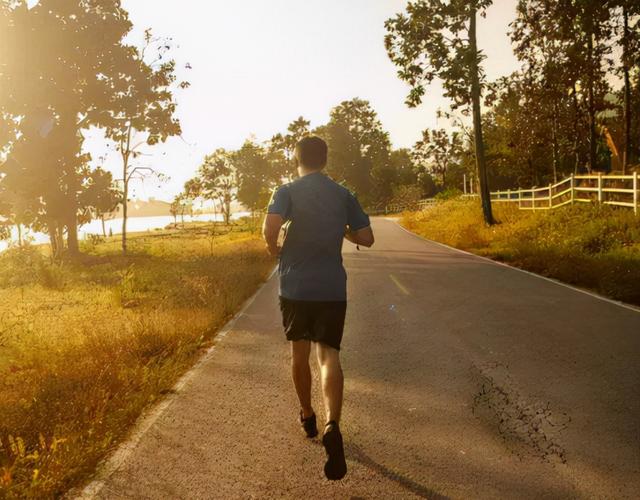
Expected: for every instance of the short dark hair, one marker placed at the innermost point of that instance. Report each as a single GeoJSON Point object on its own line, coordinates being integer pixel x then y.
{"type": "Point", "coordinates": [312, 152]}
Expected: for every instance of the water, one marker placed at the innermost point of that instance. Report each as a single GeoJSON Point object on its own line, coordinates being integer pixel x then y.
{"type": "Point", "coordinates": [134, 225]}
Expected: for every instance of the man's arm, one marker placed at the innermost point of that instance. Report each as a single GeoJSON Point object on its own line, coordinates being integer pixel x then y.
{"type": "Point", "coordinates": [271, 231]}
{"type": "Point", "coordinates": [362, 236]}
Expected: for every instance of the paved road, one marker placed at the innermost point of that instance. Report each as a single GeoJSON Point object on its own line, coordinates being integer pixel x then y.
{"type": "Point", "coordinates": [464, 379]}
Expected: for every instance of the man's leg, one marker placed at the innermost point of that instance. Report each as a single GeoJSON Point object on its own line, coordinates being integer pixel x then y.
{"type": "Point", "coordinates": [301, 374]}
{"type": "Point", "coordinates": [332, 380]}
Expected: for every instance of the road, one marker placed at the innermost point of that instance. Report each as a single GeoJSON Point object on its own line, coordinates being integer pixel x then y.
{"type": "Point", "coordinates": [464, 379]}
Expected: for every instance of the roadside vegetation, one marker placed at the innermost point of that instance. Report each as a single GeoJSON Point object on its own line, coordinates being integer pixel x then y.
{"type": "Point", "coordinates": [86, 345]}
{"type": "Point", "coordinates": [592, 246]}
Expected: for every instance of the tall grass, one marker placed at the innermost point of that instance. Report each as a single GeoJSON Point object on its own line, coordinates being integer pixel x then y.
{"type": "Point", "coordinates": [592, 246]}
{"type": "Point", "coordinates": [86, 346]}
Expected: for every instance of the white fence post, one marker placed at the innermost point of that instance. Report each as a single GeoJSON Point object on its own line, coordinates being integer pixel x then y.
{"type": "Point", "coordinates": [635, 193]}
{"type": "Point", "coordinates": [519, 198]}
{"type": "Point", "coordinates": [599, 187]}
{"type": "Point", "coordinates": [573, 189]}
{"type": "Point", "coordinates": [533, 199]}
{"type": "Point", "coordinates": [550, 198]}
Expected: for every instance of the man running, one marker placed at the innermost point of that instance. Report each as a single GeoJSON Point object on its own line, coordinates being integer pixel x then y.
{"type": "Point", "coordinates": [313, 284]}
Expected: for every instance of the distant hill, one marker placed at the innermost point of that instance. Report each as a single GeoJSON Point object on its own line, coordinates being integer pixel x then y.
{"type": "Point", "coordinates": [148, 208]}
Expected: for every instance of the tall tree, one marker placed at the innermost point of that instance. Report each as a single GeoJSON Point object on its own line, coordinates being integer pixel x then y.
{"type": "Point", "coordinates": [358, 149]}
{"type": "Point", "coordinates": [437, 150]}
{"type": "Point", "coordinates": [255, 175]}
{"type": "Point", "coordinates": [437, 39]}
{"type": "Point", "coordinates": [284, 144]}
{"type": "Point", "coordinates": [142, 111]}
{"type": "Point", "coordinates": [78, 66]}
{"type": "Point", "coordinates": [218, 181]}
{"type": "Point", "coordinates": [629, 40]}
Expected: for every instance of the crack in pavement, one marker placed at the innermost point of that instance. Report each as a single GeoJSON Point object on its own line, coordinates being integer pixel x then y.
{"type": "Point", "coordinates": [532, 424]}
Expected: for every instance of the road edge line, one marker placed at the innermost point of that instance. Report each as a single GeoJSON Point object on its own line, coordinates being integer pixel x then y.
{"type": "Point", "coordinates": [146, 420]}
{"type": "Point", "coordinates": [504, 264]}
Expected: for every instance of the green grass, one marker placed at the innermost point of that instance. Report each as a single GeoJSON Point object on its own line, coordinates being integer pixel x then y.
{"type": "Point", "coordinates": [85, 346]}
{"type": "Point", "coordinates": [590, 246]}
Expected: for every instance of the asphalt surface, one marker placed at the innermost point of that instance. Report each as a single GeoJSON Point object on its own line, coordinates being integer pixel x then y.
{"type": "Point", "coordinates": [464, 379]}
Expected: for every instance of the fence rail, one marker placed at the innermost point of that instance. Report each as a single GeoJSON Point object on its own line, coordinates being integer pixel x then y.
{"type": "Point", "coordinates": [617, 190]}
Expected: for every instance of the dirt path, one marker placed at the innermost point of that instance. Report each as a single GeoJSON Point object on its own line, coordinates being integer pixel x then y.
{"type": "Point", "coordinates": [464, 379]}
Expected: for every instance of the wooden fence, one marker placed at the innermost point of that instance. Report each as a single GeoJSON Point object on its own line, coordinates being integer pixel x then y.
{"type": "Point", "coordinates": [618, 190]}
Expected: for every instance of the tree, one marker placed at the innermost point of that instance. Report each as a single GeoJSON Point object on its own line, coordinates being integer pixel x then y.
{"type": "Point", "coordinates": [358, 149]}
{"type": "Point", "coordinates": [142, 111]}
{"type": "Point", "coordinates": [284, 145]}
{"type": "Point", "coordinates": [255, 175]}
{"type": "Point", "coordinates": [79, 68]}
{"type": "Point", "coordinates": [437, 39]}
{"type": "Point", "coordinates": [629, 39]}
{"type": "Point", "coordinates": [218, 181]}
{"type": "Point", "coordinates": [436, 151]}
{"type": "Point", "coordinates": [99, 197]}
{"type": "Point", "coordinates": [403, 166]}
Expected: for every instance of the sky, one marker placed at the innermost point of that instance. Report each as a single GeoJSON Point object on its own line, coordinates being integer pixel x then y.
{"type": "Point", "coordinates": [258, 65]}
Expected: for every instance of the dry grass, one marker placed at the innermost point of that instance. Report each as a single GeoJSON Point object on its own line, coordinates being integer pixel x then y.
{"type": "Point", "coordinates": [85, 347]}
{"type": "Point", "coordinates": [591, 246]}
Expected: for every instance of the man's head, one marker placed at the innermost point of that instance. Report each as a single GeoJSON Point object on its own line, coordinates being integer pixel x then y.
{"type": "Point", "coordinates": [311, 153]}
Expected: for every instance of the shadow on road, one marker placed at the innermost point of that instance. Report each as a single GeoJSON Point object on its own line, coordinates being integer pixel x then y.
{"type": "Point", "coordinates": [356, 453]}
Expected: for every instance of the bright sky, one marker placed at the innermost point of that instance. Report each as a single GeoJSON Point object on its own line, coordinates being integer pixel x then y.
{"type": "Point", "coordinates": [258, 65]}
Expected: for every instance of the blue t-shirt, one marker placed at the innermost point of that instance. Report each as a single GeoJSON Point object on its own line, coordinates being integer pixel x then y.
{"type": "Point", "coordinates": [317, 210]}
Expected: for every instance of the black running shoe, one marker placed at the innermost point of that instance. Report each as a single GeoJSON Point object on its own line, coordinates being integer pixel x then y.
{"type": "Point", "coordinates": [336, 466]}
{"type": "Point", "coordinates": [309, 425]}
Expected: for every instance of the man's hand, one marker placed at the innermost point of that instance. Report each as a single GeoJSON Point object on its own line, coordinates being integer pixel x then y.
{"type": "Point", "coordinates": [362, 236]}
{"type": "Point", "coordinates": [270, 232]}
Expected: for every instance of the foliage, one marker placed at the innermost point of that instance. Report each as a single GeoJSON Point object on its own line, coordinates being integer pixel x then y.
{"type": "Point", "coordinates": [81, 74]}
{"type": "Point", "coordinates": [593, 246]}
{"type": "Point", "coordinates": [359, 150]}
{"type": "Point", "coordinates": [217, 180]}
{"type": "Point", "coordinates": [255, 174]}
{"type": "Point", "coordinates": [437, 39]}
{"type": "Point", "coordinates": [86, 346]}
{"type": "Point", "coordinates": [282, 147]}
{"type": "Point", "coordinates": [437, 150]}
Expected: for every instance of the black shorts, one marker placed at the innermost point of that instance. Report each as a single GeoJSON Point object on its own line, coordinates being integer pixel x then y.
{"type": "Point", "coordinates": [321, 321]}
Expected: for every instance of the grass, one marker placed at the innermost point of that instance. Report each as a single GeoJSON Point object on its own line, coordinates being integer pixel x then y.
{"type": "Point", "coordinates": [86, 346]}
{"type": "Point", "coordinates": [590, 246]}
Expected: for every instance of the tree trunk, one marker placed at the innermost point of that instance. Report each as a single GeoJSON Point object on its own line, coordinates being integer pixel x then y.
{"type": "Point", "coordinates": [53, 239]}
{"type": "Point", "coordinates": [125, 151]}
{"type": "Point", "coordinates": [485, 195]}
{"type": "Point", "coordinates": [554, 140]}
{"type": "Point", "coordinates": [104, 228]}
{"type": "Point", "coordinates": [626, 155]}
{"type": "Point", "coordinates": [592, 108]}
{"type": "Point", "coordinates": [72, 235]}
{"type": "Point", "coordinates": [227, 210]}
{"type": "Point", "coordinates": [125, 195]}
{"type": "Point", "coordinates": [576, 135]}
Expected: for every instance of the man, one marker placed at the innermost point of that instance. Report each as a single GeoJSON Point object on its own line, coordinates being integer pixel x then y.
{"type": "Point", "coordinates": [313, 283]}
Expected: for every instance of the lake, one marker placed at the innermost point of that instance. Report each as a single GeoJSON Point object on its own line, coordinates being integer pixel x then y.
{"type": "Point", "coordinates": [134, 225]}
